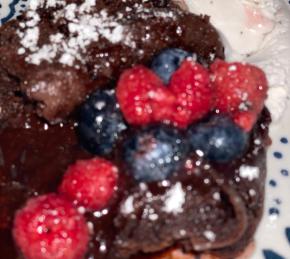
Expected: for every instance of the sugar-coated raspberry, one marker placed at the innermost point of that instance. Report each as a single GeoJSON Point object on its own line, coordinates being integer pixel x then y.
{"type": "Point", "coordinates": [191, 86]}
{"type": "Point", "coordinates": [90, 183]}
{"type": "Point", "coordinates": [143, 98]}
{"type": "Point", "coordinates": [241, 90]}
{"type": "Point", "coordinates": [49, 227]}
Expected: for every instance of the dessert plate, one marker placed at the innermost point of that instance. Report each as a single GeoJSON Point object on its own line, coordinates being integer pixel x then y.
{"type": "Point", "coordinates": [273, 237]}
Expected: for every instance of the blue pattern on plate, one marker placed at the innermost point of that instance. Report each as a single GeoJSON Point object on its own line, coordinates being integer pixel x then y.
{"type": "Point", "coordinates": [285, 172]}
{"type": "Point", "coordinates": [16, 6]}
{"type": "Point", "coordinates": [274, 212]}
{"type": "Point", "coordinates": [278, 155]}
{"type": "Point", "coordinates": [11, 12]}
{"type": "Point", "coordinates": [273, 183]}
{"type": "Point", "coordinates": [284, 140]}
{"type": "Point", "coordinates": [287, 232]}
{"type": "Point", "coordinates": [270, 254]}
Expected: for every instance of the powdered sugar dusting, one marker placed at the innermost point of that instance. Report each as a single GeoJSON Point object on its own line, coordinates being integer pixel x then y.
{"type": "Point", "coordinates": [128, 206]}
{"type": "Point", "coordinates": [84, 27]}
{"type": "Point", "coordinates": [209, 235]}
{"type": "Point", "coordinates": [249, 172]}
{"type": "Point", "coordinates": [29, 38]}
{"type": "Point", "coordinates": [174, 199]}
{"type": "Point", "coordinates": [35, 4]}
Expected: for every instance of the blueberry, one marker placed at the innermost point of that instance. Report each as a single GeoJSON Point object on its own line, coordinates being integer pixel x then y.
{"type": "Point", "coordinates": [100, 122]}
{"type": "Point", "coordinates": [154, 153]}
{"type": "Point", "coordinates": [219, 138]}
{"type": "Point", "coordinates": [168, 61]}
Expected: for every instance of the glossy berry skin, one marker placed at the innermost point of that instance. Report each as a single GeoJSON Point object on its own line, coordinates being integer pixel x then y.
{"type": "Point", "coordinates": [143, 98]}
{"type": "Point", "coordinates": [100, 122]}
{"type": "Point", "coordinates": [191, 86]}
{"type": "Point", "coordinates": [219, 138]}
{"type": "Point", "coordinates": [240, 91]}
{"type": "Point", "coordinates": [49, 227]}
{"type": "Point", "coordinates": [168, 61]}
{"type": "Point", "coordinates": [154, 153]}
{"type": "Point", "coordinates": [90, 183]}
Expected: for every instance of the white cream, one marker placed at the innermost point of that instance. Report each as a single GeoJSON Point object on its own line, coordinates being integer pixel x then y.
{"type": "Point", "coordinates": [258, 32]}
{"type": "Point", "coordinates": [242, 23]}
{"type": "Point", "coordinates": [274, 57]}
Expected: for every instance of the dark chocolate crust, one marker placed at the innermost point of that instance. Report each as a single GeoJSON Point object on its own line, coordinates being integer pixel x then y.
{"type": "Point", "coordinates": [34, 154]}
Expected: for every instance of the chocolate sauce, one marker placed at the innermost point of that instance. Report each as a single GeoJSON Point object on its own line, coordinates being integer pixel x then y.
{"type": "Point", "coordinates": [35, 156]}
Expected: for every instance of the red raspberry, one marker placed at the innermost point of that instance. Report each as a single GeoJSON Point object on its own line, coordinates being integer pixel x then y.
{"type": "Point", "coordinates": [245, 120]}
{"type": "Point", "coordinates": [49, 227]}
{"type": "Point", "coordinates": [90, 183]}
{"type": "Point", "coordinates": [241, 90]}
{"type": "Point", "coordinates": [192, 89]}
{"type": "Point", "coordinates": [143, 98]}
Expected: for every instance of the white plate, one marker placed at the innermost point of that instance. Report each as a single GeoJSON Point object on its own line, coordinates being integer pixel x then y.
{"type": "Point", "coordinates": [273, 237]}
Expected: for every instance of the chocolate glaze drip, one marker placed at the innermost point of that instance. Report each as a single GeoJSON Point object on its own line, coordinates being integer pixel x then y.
{"type": "Point", "coordinates": [216, 197]}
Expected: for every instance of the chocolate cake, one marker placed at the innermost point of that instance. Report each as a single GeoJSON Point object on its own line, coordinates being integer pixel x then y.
{"type": "Point", "coordinates": [57, 55]}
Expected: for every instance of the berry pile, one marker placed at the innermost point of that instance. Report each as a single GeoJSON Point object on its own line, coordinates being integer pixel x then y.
{"type": "Point", "coordinates": [144, 99]}
{"type": "Point", "coordinates": [234, 89]}
{"type": "Point", "coordinates": [155, 118]}
{"type": "Point", "coordinates": [51, 227]}
{"type": "Point", "coordinates": [213, 109]}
